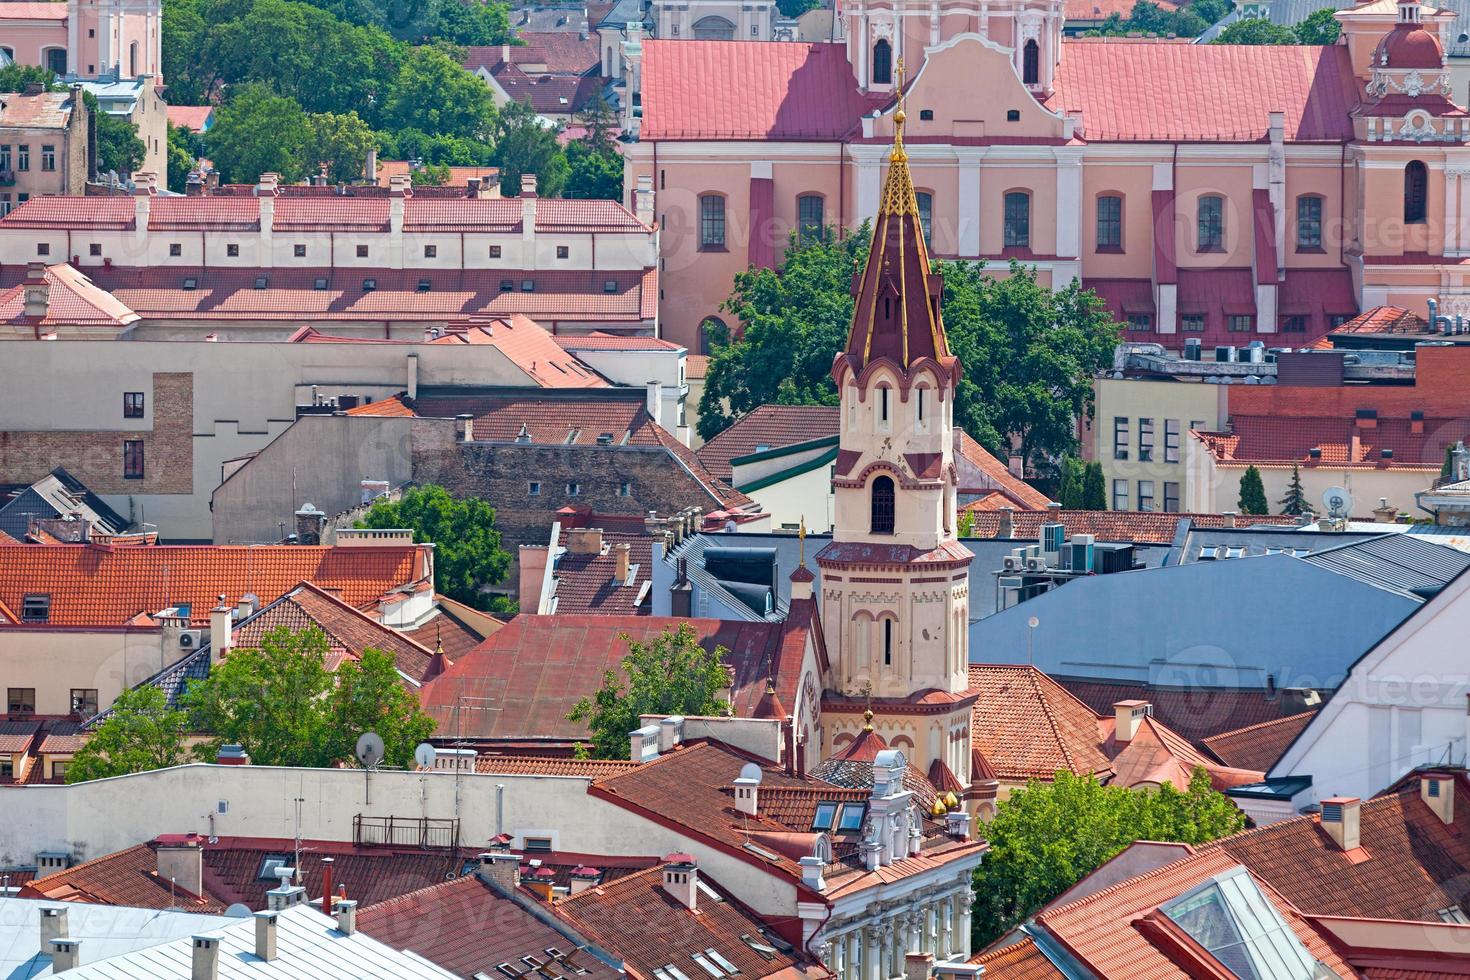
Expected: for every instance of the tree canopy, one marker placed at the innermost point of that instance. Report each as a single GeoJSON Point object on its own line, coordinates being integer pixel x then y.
{"type": "Point", "coordinates": [118, 145]}
{"type": "Point", "coordinates": [1256, 30]}
{"type": "Point", "coordinates": [1048, 836]}
{"type": "Point", "coordinates": [523, 145]}
{"type": "Point", "coordinates": [140, 732]}
{"type": "Point", "coordinates": [467, 551]}
{"type": "Point", "coordinates": [1253, 493]}
{"type": "Point", "coordinates": [671, 675]}
{"type": "Point", "coordinates": [14, 77]}
{"type": "Point", "coordinates": [259, 132]}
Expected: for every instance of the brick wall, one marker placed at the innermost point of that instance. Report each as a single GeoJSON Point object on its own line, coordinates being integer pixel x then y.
{"type": "Point", "coordinates": [95, 456]}
{"type": "Point", "coordinates": [1441, 390]}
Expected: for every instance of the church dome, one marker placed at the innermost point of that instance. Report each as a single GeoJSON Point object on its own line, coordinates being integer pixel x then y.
{"type": "Point", "coordinates": [1410, 46]}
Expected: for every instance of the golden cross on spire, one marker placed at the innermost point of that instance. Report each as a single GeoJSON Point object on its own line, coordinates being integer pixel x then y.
{"type": "Point", "coordinates": [801, 542]}
{"type": "Point", "coordinates": [899, 116]}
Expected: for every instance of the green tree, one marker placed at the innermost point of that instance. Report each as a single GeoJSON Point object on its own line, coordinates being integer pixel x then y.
{"type": "Point", "coordinates": [1094, 488]}
{"type": "Point", "coordinates": [1210, 11]}
{"type": "Point", "coordinates": [433, 94]}
{"type": "Point", "coordinates": [794, 321]}
{"type": "Point", "coordinates": [1253, 493]}
{"type": "Point", "coordinates": [285, 708]}
{"type": "Point", "coordinates": [1295, 501]}
{"type": "Point", "coordinates": [259, 132]}
{"type": "Point", "coordinates": [475, 22]}
{"type": "Point", "coordinates": [1320, 27]}
{"type": "Point", "coordinates": [1047, 837]}
{"type": "Point", "coordinates": [140, 732]}
{"type": "Point", "coordinates": [593, 174]}
{"type": "Point", "coordinates": [467, 552]}
{"type": "Point", "coordinates": [185, 147]}
{"type": "Point", "coordinates": [525, 145]}
{"type": "Point", "coordinates": [671, 675]}
{"type": "Point", "coordinates": [118, 145]}
{"type": "Point", "coordinates": [14, 77]}
{"type": "Point", "coordinates": [795, 8]}
{"type": "Point", "coordinates": [184, 35]}
{"type": "Point", "coordinates": [431, 175]}
{"type": "Point", "coordinates": [599, 124]}
{"type": "Point", "coordinates": [1072, 483]}
{"type": "Point", "coordinates": [341, 144]}
{"type": "Point", "coordinates": [1256, 30]}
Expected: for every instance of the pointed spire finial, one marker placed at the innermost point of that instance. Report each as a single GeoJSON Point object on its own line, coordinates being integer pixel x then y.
{"type": "Point", "coordinates": [801, 543]}
{"type": "Point", "coordinates": [898, 117]}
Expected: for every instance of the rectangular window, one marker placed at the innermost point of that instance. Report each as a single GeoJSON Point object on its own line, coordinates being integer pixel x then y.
{"type": "Point", "coordinates": [5, 204]}
{"type": "Point", "coordinates": [712, 221]}
{"type": "Point", "coordinates": [4, 156]}
{"type": "Point", "coordinates": [1171, 497]}
{"type": "Point", "coordinates": [1240, 323]}
{"type": "Point", "coordinates": [58, 769]}
{"type": "Point", "coordinates": [1017, 220]}
{"type": "Point", "coordinates": [1145, 440]}
{"type": "Point", "coordinates": [431, 251]}
{"type": "Point", "coordinates": [84, 701]}
{"type": "Point", "coordinates": [1142, 322]}
{"type": "Point", "coordinates": [299, 251]}
{"type": "Point", "coordinates": [175, 249]}
{"type": "Point", "coordinates": [35, 608]}
{"type": "Point", "coordinates": [362, 251]}
{"type": "Point", "coordinates": [1109, 223]}
{"type": "Point", "coordinates": [20, 700]}
{"type": "Point", "coordinates": [1308, 223]}
{"type": "Point", "coordinates": [538, 843]}
{"type": "Point", "coordinates": [1211, 224]}
{"type": "Point", "coordinates": [495, 251]}
{"type": "Point", "coordinates": [1294, 324]}
{"type": "Point", "coordinates": [810, 222]}
{"type": "Point", "coordinates": [574, 489]}
{"type": "Point", "coordinates": [534, 489]}
{"type": "Point", "coordinates": [1171, 440]}
{"type": "Point", "coordinates": [563, 252]}
{"type": "Point", "coordinates": [132, 404]}
{"type": "Point", "coordinates": [625, 490]}
{"type": "Point", "coordinates": [23, 157]}
{"type": "Point", "coordinates": [1120, 495]}
{"type": "Point", "coordinates": [1145, 495]}
{"type": "Point", "coordinates": [48, 157]}
{"type": "Point", "coordinates": [925, 201]}
{"type": "Point", "coordinates": [94, 249]}
{"type": "Point", "coordinates": [1120, 437]}
{"type": "Point", "coordinates": [133, 459]}
{"type": "Point", "coordinates": [232, 250]}
{"type": "Point", "coordinates": [1192, 323]}
{"type": "Point", "coordinates": [43, 248]}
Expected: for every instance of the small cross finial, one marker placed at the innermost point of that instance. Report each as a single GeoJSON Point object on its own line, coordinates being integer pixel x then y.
{"type": "Point", "coordinates": [801, 542]}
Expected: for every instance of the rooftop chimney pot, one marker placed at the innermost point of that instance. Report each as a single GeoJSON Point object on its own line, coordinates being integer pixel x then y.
{"type": "Point", "coordinates": [1127, 716]}
{"type": "Point", "coordinates": [1340, 815]}
{"type": "Point", "coordinates": [53, 925]}
{"type": "Point", "coordinates": [206, 958]}
{"type": "Point", "coordinates": [66, 954]}
{"type": "Point", "coordinates": [681, 880]}
{"type": "Point", "coordinates": [347, 916]}
{"type": "Point", "coordinates": [670, 731]}
{"type": "Point", "coordinates": [265, 935]}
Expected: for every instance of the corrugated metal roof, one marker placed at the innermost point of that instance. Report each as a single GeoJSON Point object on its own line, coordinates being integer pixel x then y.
{"type": "Point", "coordinates": [1399, 563]}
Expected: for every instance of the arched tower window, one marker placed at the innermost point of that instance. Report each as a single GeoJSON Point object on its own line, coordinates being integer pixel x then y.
{"type": "Point", "coordinates": [133, 59]}
{"type": "Point", "coordinates": [1031, 63]}
{"type": "Point", "coordinates": [887, 639]}
{"type": "Point", "coordinates": [882, 506]}
{"type": "Point", "coordinates": [1416, 192]}
{"type": "Point", "coordinates": [882, 63]}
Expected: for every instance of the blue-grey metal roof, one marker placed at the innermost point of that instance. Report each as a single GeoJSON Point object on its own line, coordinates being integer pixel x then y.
{"type": "Point", "coordinates": [1401, 563]}
{"type": "Point", "coordinates": [58, 494]}
{"type": "Point", "coordinates": [105, 931]}
{"type": "Point", "coordinates": [1249, 542]}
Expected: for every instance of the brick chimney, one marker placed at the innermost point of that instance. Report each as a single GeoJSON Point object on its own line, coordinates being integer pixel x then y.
{"type": "Point", "coordinates": [206, 958]}
{"type": "Point", "coordinates": [621, 562]}
{"type": "Point", "coordinates": [310, 523]}
{"type": "Point", "coordinates": [1340, 819]}
{"type": "Point", "coordinates": [502, 868]}
{"type": "Point", "coordinates": [181, 860]}
{"type": "Point", "coordinates": [643, 199]}
{"type": "Point", "coordinates": [1007, 523]}
{"type": "Point", "coordinates": [1127, 716]}
{"type": "Point", "coordinates": [232, 755]}
{"type": "Point", "coordinates": [681, 880]}
{"type": "Point", "coordinates": [464, 425]}
{"type": "Point", "coordinates": [265, 194]}
{"type": "Point", "coordinates": [1437, 790]}
{"type": "Point", "coordinates": [654, 401]}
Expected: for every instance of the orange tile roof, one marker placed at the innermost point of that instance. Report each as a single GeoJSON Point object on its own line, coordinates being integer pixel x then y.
{"type": "Point", "coordinates": [538, 765]}
{"type": "Point", "coordinates": [73, 301]}
{"type": "Point", "coordinates": [1136, 527]}
{"type": "Point", "coordinates": [12, 10]}
{"type": "Point", "coordinates": [190, 117]}
{"type": "Point", "coordinates": [1288, 440]}
{"type": "Point", "coordinates": [998, 475]}
{"type": "Point", "coordinates": [92, 586]}
{"type": "Point", "coordinates": [585, 583]}
{"type": "Point", "coordinates": [768, 426]}
{"type": "Point", "coordinates": [1195, 713]}
{"type": "Point", "coordinates": [128, 877]}
{"type": "Point", "coordinates": [1019, 961]}
{"type": "Point", "coordinates": [1156, 755]}
{"type": "Point", "coordinates": [1030, 727]}
{"type": "Point", "coordinates": [391, 407]}
{"type": "Point", "coordinates": [1384, 319]}
{"type": "Point", "coordinates": [1258, 746]}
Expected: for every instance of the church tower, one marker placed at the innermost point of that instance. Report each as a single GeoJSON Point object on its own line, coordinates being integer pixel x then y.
{"type": "Point", "coordinates": [895, 579]}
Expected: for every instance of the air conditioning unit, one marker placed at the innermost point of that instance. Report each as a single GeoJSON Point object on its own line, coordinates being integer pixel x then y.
{"type": "Point", "coordinates": [190, 639]}
{"type": "Point", "coordinates": [1035, 564]}
{"type": "Point", "coordinates": [1015, 561]}
{"type": "Point", "coordinates": [1080, 554]}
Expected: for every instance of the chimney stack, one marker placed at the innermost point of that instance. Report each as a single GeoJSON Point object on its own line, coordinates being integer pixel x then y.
{"type": "Point", "coordinates": [643, 744]}
{"type": "Point", "coordinates": [584, 540]}
{"type": "Point", "coordinates": [1127, 716]}
{"type": "Point", "coordinates": [206, 958]}
{"type": "Point", "coordinates": [465, 423]}
{"type": "Point", "coordinates": [918, 966]}
{"type": "Point", "coordinates": [221, 620]}
{"type": "Point", "coordinates": [66, 954]}
{"type": "Point", "coordinates": [327, 885]}
{"type": "Point", "coordinates": [265, 934]}
{"type": "Point", "coordinates": [1230, 516]}
{"type": "Point", "coordinates": [310, 524]}
{"type": "Point", "coordinates": [670, 731]}
{"type": "Point", "coordinates": [1340, 819]}
{"type": "Point", "coordinates": [370, 168]}
{"type": "Point", "coordinates": [1007, 523]}
{"type": "Point", "coordinates": [232, 755]}
{"type": "Point", "coordinates": [681, 880]}
{"type": "Point", "coordinates": [584, 878]}
{"type": "Point", "coordinates": [37, 291]}
{"type": "Point", "coordinates": [1437, 790]}
{"type": "Point", "coordinates": [957, 824]}
{"type": "Point", "coordinates": [287, 893]}
{"type": "Point", "coordinates": [654, 402]}
{"type": "Point", "coordinates": [502, 868]}
{"type": "Point", "coordinates": [747, 794]}
{"type": "Point", "coordinates": [347, 916]}
{"type": "Point", "coordinates": [811, 872]}
{"type": "Point", "coordinates": [621, 559]}
{"type": "Point", "coordinates": [53, 925]}
{"type": "Point", "coordinates": [643, 199]}
{"type": "Point", "coordinates": [180, 859]}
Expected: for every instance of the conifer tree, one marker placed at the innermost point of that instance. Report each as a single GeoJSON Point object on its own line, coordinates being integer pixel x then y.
{"type": "Point", "coordinates": [1253, 493]}
{"type": "Point", "coordinates": [1295, 501]}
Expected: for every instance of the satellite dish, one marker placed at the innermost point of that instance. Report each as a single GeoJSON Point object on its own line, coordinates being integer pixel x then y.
{"type": "Point", "coordinates": [425, 755]}
{"type": "Point", "coordinates": [1339, 502]}
{"type": "Point", "coordinates": [239, 911]}
{"type": "Point", "coordinates": [750, 771]}
{"type": "Point", "coordinates": [369, 749]}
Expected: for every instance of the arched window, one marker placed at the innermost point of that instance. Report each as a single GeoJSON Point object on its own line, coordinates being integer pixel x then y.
{"type": "Point", "coordinates": [885, 405]}
{"type": "Point", "coordinates": [882, 520]}
{"type": "Point", "coordinates": [888, 640]}
{"type": "Point", "coordinates": [1109, 222]}
{"type": "Point", "coordinates": [713, 29]}
{"type": "Point", "coordinates": [810, 221]}
{"type": "Point", "coordinates": [882, 63]}
{"type": "Point", "coordinates": [711, 222]}
{"type": "Point", "coordinates": [1018, 220]}
{"type": "Point", "coordinates": [1210, 224]}
{"type": "Point", "coordinates": [925, 201]}
{"type": "Point", "coordinates": [133, 59]}
{"type": "Point", "coordinates": [1031, 63]}
{"type": "Point", "coordinates": [1309, 223]}
{"type": "Point", "coordinates": [1416, 192]}
{"type": "Point", "coordinates": [712, 333]}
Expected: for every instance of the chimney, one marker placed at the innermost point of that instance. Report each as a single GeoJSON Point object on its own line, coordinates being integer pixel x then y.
{"type": "Point", "coordinates": [1340, 820]}
{"type": "Point", "coordinates": [670, 733]}
{"type": "Point", "coordinates": [584, 540]}
{"type": "Point", "coordinates": [310, 523]}
{"type": "Point", "coordinates": [37, 291]}
{"type": "Point", "coordinates": [400, 186]}
{"type": "Point", "coordinates": [286, 894]}
{"type": "Point", "coordinates": [528, 213]}
{"type": "Point", "coordinates": [347, 916]}
{"type": "Point", "coordinates": [1017, 466]}
{"type": "Point", "coordinates": [1383, 513]}
{"type": "Point", "coordinates": [621, 553]}
{"type": "Point", "coordinates": [1437, 790]}
{"type": "Point", "coordinates": [465, 423]}
{"type": "Point", "coordinates": [206, 958]}
{"type": "Point", "coordinates": [528, 186]}
{"type": "Point", "coordinates": [644, 744]}
{"type": "Point", "coordinates": [221, 617]}
{"type": "Point", "coordinates": [265, 195]}
{"type": "Point", "coordinates": [1355, 450]}
{"type": "Point", "coordinates": [811, 872]}
{"type": "Point", "coordinates": [194, 184]}
{"type": "Point", "coordinates": [584, 878]}
{"type": "Point", "coordinates": [654, 402]}
{"type": "Point", "coordinates": [502, 868]}
{"type": "Point", "coordinates": [327, 885]}
{"type": "Point", "coordinates": [1128, 715]}
{"type": "Point", "coordinates": [643, 199]}
{"type": "Point", "coordinates": [681, 879]}
{"type": "Point", "coordinates": [66, 954]}
{"type": "Point", "coordinates": [232, 755]}
{"type": "Point", "coordinates": [1007, 523]}
{"type": "Point", "coordinates": [181, 860]}
{"type": "Point", "coordinates": [370, 168]}
{"type": "Point", "coordinates": [265, 934]}
{"type": "Point", "coordinates": [246, 606]}
{"type": "Point", "coordinates": [918, 966]}
{"type": "Point", "coordinates": [957, 824]}
{"type": "Point", "coordinates": [1459, 462]}
{"type": "Point", "coordinates": [747, 794]}
{"type": "Point", "coordinates": [53, 925]}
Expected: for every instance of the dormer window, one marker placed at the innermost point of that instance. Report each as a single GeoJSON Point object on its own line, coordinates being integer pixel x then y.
{"type": "Point", "coordinates": [35, 608]}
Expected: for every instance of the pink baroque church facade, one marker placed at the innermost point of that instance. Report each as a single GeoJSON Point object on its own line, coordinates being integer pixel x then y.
{"type": "Point", "coordinates": [1223, 193]}
{"type": "Point", "coordinates": [85, 37]}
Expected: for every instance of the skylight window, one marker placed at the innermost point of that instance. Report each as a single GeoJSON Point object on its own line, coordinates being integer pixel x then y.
{"type": "Point", "coordinates": [320, 284]}
{"type": "Point", "coordinates": [852, 818]}
{"type": "Point", "coordinates": [826, 814]}
{"type": "Point", "coordinates": [707, 965]}
{"type": "Point", "coordinates": [270, 864]}
{"type": "Point", "coordinates": [722, 963]}
{"type": "Point", "coordinates": [675, 972]}
{"type": "Point", "coordinates": [261, 282]}
{"type": "Point", "coordinates": [1208, 553]}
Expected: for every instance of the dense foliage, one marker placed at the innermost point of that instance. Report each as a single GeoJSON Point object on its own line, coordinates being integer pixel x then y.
{"type": "Point", "coordinates": [140, 732]}
{"type": "Point", "coordinates": [467, 552]}
{"type": "Point", "coordinates": [672, 675]}
{"type": "Point", "coordinates": [1047, 837]}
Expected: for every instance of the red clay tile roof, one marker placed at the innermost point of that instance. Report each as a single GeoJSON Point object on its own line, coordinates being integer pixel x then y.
{"type": "Point", "coordinates": [1286, 440]}
{"type": "Point", "coordinates": [1090, 10]}
{"type": "Point", "coordinates": [1385, 319]}
{"type": "Point", "coordinates": [1195, 713]}
{"type": "Point", "coordinates": [733, 90]}
{"type": "Point", "coordinates": [649, 929]}
{"type": "Point", "coordinates": [16, 736]}
{"type": "Point", "coordinates": [73, 301]}
{"type": "Point", "coordinates": [537, 765]}
{"type": "Point", "coordinates": [769, 426]}
{"type": "Point", "coordinates": [561, 52]}
{"type": "Point", "coordinates": [549, 94]}
{"type": "Point", "coordinates": [1258, 746]}
{"type": "Point", "coordinates": [538, 667]}
{"type": "Point", "coordinates": [598, 340]}
{"type": "Point", "coordinates": [997, 476]}
{"type": "Point", "coordinates": [1157, 755]}
{"type": "Point", "coordinates": [1020, 961]}
{"type": "Point", "coordinates": [94, 587]}
{"type": "Point", "coordinates": [390, 407]}
{"type": "Point", "coordinates": [61, 738]}
{"type": "Point", "coordinates": [1416, 864]}
{"type": "Point", "coordinates": [585, 582]}
{"type": "Point", "coordinates": [190, 117]}
{"type": "Point", "coordinates": [349, 632]}
{"type": "Point", "coordinates": [1029, 726]}
{"type": "Point", "coordinates": [128, 877]}
{"type": "Point", "coordinates": [1205, 92]}
{"type": "Point", "coordinates": [32, 11]}
{"type": "Point", "coordinates": [457, 636]}
{"type": "Point", "coordinates": [467, 927]}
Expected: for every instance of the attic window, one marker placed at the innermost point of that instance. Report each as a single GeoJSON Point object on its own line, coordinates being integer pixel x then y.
{"type": "Point", "coordinates": [1453, 914]}
{"type": "Point", "coordinates": [270, 864]}
{"type": "Point", "coordinates": [826, 814]}
{"type": "Point", "coordinates": [609, 285]}
{"type": "Point", "coordinates": [368, 285]}
{"type": "Point", "coordinates": [35, 609]}
{"type": "Point", "coordinates": [319, 285]}
{"type": "Point", "coordinates": [508, 970]}
{"type": "Point", "coordinates": [191, 284]}
{"type": "Point", "coordinates": [1013, 115]}
{"type": "Point", "coordinates": [673, 971]}
{"type": "Point", "coordinates": [721, 962]}
{"type": "Point", "coordinates": [261, 282]}
{"type": "Point", "coordinates": [528, 285]}
{"type": "Point", "coordinates": [423, 285]}
{"type": "Point", "coordinates": [507, 286]}
{"type": "Point", "coordinates": [852, 818]}
{"type": "Point", "coordinates": [766, 952]}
